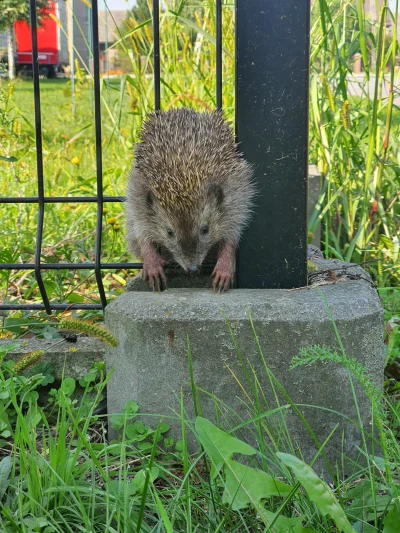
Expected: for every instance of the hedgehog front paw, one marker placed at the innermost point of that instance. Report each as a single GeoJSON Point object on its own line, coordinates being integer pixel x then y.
{"type": "Point", "coordinates": [223, 279]}
{"type": "Point", "coordinates": [223, 272]}
{"type": "Point", "coordinates": [154, 274]}
{"type": "Point", "coordinates": [153, 271]}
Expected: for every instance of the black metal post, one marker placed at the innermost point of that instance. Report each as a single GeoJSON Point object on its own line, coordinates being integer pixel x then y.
{"type": "Point", "coordinates": [272, 73]}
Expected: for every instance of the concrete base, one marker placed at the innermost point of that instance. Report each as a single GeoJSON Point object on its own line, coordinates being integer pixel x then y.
{"type": "Point", "coordinates": [151, 363]}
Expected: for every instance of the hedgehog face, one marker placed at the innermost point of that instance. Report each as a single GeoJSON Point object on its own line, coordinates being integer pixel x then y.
{"type": "Point", "coordinates": [189, 236]}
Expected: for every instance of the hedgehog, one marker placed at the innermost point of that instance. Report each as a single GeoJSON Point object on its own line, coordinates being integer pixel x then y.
{"type": "Point", "coordinates": [189, 193]}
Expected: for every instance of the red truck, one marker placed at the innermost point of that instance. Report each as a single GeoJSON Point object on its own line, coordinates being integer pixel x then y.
{"type": "Point", "coordinates": [52, 43]}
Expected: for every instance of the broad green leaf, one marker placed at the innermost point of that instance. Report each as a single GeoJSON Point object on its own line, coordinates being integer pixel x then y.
{"type": "Point", "coordinates": [50, 287]}
{"type": "Point", "coordinates": [68, 386]}
{"type": "Point", "coordinates": [137, 431]}
{"type": "Point", "coordinates": [219, 445]}
{"type": "Point", "coordinates": [140, 478]}
{"type": "Point", "coordinates": [75, 298]}
{"type": "Point", "coordinates": [141, 428]}
{"type": "Point", "coordinates": [163, 427]}
{"type": "Point", "coordinates": [50, 333]}
{"type": "Point", "coordinates": [46, 369]}
{"type": "Point", "coordinates": [245, 485]}
{"type": "Point", "coordinates": [144, 446]}
{"type": "Point", "coordinates": [40, 522]}
{"type": "Point", "coordinates": [34, 421]}
{"type": "Point", "coordinates": [88, 379]}
{"type": "Point", "coordinates": [318, 491]}
{"type": "Point", "coordinates": [117, 421]}
{"type": "Point", "coordinates": [130, 409]}
{"type": "Point", "coordinates": [391, 523]}
{"type": "Point", "coordinates": [11, 159]}
{"type": "Point", "coordinates": [5, 469]}
{"type": "Point", "coordinates": [16, 325]}
{"type": "Point", "coordinates": [4, 350]}
{"type": "Point", "coordinates": [362, 527]}
{"type": "Point", "coordinates": [365, 505]}
{"type": "Point", "coordinates": [31, 396]}
{"type": "Point", "coordinates": [119, 487]}
{"type": "Point", "coordinates": [360, 491]}
{"type": "Point", "coordinates": [4, 421]}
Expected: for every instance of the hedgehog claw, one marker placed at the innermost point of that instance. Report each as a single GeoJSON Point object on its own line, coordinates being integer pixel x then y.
{"type": "Point", "coordinates": [222, 280]}
{"type": "Point", "coordinates": [222, 283]}
{"type": "Point", "coordinates": [155, 276]}
{"type": "Point", "coordinates": [223, 271]}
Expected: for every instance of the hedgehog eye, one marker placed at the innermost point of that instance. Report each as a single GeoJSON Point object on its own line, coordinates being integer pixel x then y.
{"type": "Point", "coordinates": [170, 232]}
{"type": "Point", "coordinates": [204, 229]}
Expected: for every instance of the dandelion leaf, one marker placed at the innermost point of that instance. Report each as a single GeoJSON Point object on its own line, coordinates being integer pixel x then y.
{"type": "Point", "coordinates": [139, 481]}
{"type": "Point", "coordinates": [318, 491]}
{"type": "Point", "coordinates": [219, 445]}
{"type": "Point", "coordinates": [391, 522]}
{"type": "Point", "coordinates": [68, 386]}
{"type": "Point", "coordinates": [245, 485]}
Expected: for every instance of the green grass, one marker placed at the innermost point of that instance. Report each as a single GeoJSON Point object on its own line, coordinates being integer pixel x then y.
{"type": "Point", "coordinates": [64, 476]}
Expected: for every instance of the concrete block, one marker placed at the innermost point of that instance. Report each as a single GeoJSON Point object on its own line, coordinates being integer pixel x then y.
{"type": "Point", "coordinates": [74, 358]}
{"type": "Point", "coordinates": [151, 363]}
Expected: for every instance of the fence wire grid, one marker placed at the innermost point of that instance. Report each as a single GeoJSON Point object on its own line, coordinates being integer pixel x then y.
{"type": "Point", "coordinates": [271, 121]}
{"type": "Point", "coordinates": [41, 199]}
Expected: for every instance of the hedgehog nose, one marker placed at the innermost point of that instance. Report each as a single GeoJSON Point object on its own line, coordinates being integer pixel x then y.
{"type": "Point", "coordinates": [192, 268]}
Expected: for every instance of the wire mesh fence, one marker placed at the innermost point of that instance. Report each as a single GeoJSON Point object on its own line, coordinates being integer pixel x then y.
{"type": "Point", "coordinates": [280, 127]}
{"type": "Point", "coordinates": [100, 199]}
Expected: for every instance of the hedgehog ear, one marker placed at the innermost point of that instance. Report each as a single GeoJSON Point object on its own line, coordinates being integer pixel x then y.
{"type": "Point", "coordinates": [215, 190]}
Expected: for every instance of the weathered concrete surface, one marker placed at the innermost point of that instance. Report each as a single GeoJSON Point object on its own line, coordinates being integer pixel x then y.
{"type": "Point", "coordinates": [74, 358]}
{"type": "Point", "coordinates": [151, 364]}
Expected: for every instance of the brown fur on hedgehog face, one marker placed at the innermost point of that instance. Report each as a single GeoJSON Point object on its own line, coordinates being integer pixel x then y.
{"type": "Point", "coordinates": [189, 239]}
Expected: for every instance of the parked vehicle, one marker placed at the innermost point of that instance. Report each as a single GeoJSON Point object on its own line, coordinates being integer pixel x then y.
{"type": "Point", "coordinates": [52, 44]}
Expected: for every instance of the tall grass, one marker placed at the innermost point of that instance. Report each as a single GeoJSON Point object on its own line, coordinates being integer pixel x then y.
{"type": "Point", "coordinates": [354, 140]}
{"type": "Point", "coordinates": [64, 476]}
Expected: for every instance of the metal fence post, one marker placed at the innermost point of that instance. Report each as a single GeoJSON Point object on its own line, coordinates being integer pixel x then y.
{"type": "Point", "coordinates": [272, 73]}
